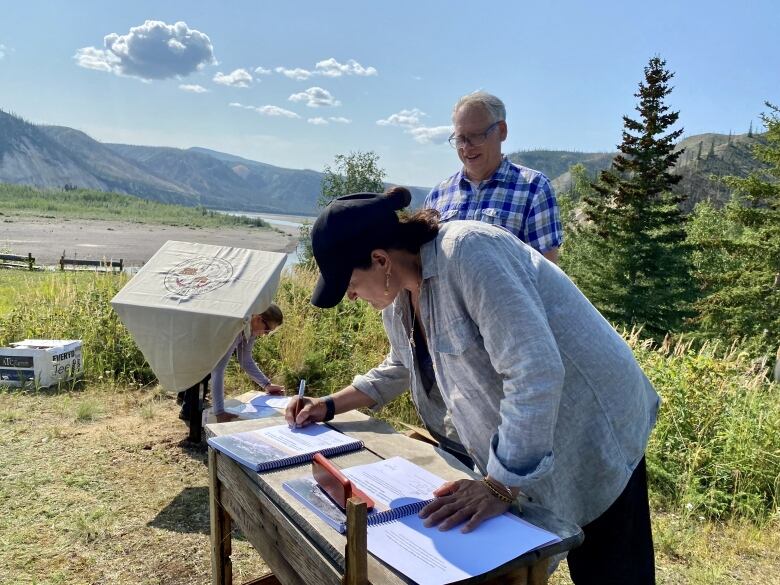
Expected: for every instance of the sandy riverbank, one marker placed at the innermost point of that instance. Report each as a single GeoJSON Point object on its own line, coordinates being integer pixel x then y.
{"type": "Point", "coordinates": [134, 243]}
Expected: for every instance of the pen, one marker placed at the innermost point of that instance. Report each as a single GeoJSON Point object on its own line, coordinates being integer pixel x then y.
{"type": "Point", "coordinates": [299, 405]}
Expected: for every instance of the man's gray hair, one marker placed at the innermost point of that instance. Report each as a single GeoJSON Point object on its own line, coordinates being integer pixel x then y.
{"type": "Point", "coordinates": [493, 105]}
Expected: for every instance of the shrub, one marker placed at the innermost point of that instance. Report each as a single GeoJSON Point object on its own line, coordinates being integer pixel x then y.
{"type": "Point", "coordinates": [715, 451]}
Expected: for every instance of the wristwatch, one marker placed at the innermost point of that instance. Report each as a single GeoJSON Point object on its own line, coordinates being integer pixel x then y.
{"type": "Point", "coordinates": [330, 408]}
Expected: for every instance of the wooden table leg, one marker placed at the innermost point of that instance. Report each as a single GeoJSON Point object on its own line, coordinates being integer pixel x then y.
{"type": "Point", "coordinates": [356, 554]}
{"type": "Point", "coordinates": [221, 567]}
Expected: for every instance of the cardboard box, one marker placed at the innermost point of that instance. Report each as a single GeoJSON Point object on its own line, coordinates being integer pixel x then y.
{"type": "Point", "coordinates": [40, 362]}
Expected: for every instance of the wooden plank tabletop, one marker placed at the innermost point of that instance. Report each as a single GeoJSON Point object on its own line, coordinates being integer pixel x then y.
{"type": "Point", "coordinates": [381, 442]}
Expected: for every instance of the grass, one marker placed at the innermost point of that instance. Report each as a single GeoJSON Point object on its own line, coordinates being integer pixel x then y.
{"type": "Point", "coordinates": [116, 498]}
{"type": "Point", "coordinates": [13, 286]}
{"type": "Point", "coordinates": [715, 451]}
{"type": "Point", "coordinates": [24, 201]}
{"type": "Point", "coordinates": [122, 498]}
{"type": "Point", "coordinates": [97, 485]}
{"type": "Point", "coordinates": [73, 305]}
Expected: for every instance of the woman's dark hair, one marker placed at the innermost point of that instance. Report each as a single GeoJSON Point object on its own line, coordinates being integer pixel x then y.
{"type": "Point", "coordinates": [411, 231]}
{"type": "Point", "coordinates": [273, 316]}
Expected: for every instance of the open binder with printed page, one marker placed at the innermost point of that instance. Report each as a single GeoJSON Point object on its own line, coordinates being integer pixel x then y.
{"type": "Point", "coordinates": [281, 446]}
{"type": "Point", "coordinates": [397, 536]}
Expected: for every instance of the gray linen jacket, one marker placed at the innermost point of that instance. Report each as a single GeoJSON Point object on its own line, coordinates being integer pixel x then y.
{"type": "Point", "coordinates": [543, 392]}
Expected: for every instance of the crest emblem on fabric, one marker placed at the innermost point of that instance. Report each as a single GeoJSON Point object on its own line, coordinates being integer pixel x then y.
{"type": "Point", "coordinates": [198, 276]}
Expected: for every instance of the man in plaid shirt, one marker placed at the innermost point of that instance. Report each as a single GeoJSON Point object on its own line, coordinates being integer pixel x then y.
{"type": "Point", "coordinates": [489, 188]}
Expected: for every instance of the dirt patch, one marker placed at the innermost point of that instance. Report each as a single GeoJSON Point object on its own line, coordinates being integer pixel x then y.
{"type": "Point", "coordinates": [134, 243]}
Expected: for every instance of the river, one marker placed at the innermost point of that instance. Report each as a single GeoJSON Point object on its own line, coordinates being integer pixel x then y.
{"type": "Point", "coordinates": [291, 223]}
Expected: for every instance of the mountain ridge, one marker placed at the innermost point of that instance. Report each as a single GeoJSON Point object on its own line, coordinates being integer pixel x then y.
{"type": "Point", "coordinates": [54, 157]}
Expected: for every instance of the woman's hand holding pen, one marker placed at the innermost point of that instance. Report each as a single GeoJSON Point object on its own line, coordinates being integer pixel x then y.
{"type": "Point", "coordinates": [464, 500]}
{"type": "Point", "coordinates": [309, 410]}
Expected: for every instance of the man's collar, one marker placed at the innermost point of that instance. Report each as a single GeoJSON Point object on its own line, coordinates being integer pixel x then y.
{"type": "Point", "coordinates": [501, 174]}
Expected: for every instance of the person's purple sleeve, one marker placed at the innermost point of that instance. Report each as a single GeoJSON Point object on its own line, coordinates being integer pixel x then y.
{"type": "Point", "coordinates": [244, 351]}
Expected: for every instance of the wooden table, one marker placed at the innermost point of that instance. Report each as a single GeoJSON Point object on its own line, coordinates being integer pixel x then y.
{"type": "Point", "coordinates": [300, 548]}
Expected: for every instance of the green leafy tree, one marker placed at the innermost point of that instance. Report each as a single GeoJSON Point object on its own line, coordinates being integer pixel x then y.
{"type": "Point", "coordinates": [638, 271]}
{"type": "Point", "coordinates": [738, 253]}
{"type": "Point", "coordinates": [355, 172]}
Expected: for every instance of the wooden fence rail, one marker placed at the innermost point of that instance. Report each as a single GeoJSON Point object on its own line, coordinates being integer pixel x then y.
{"type": "Point", "coordinates": [18, 261]}
{"type": "Point", "coordinates": [96, 263]}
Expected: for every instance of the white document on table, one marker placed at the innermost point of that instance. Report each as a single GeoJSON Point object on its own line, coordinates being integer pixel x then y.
{"type": "Point", "coordinates": [429, 556]}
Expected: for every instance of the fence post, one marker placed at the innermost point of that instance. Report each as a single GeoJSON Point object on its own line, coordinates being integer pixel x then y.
{"type": "Point", "coordinates": [62, 262]}
{"type": "Point", "coordinates": [30, 260]}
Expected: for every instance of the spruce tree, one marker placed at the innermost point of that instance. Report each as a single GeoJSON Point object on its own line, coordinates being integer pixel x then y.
{"type": "Point", "coordinates": [743, 290]}
{"type": "Point", "coordinates": [641, 273]}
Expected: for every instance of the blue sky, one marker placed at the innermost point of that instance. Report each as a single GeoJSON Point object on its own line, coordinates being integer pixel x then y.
{"type": "Point", "coordinates": [293, 84]}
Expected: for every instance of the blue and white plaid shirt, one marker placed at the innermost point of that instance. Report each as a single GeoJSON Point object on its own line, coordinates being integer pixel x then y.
{"type": "Point", "coordinates": [515, 197]}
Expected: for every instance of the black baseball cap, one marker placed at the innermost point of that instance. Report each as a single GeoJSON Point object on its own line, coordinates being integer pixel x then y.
{"type": "Point", "coordinates": [346, 232]}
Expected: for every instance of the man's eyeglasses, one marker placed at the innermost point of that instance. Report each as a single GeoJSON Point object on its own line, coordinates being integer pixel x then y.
{"type": "Point", "coordinates": [477, 139]}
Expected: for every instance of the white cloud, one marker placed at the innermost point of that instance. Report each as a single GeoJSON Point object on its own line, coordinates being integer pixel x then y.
{"type": "Point", "coordinates": [98, 59]}
{"type": "Point", "coordinates": [262, 71]}
{"type": "Point", "coordinates": [404, 118]}
{"type": "Point", "coordinates": [236, 78]}
{"type": "Point", "coordinates": [154, 50]}
{"type": "Point", "coordinates": [433, 135]}
{"type": "Point", "coordinates": [297, 73]}
{"type": "Point", "coordinates": [276, 111]}
{"type": "Point", "coordinates": [320, 121]}
{"type": "Point", "coordinates": [194, 88]}
{"type": "Point", "coordinates": [332, 68]}
{"type": "Point", "coordinates": [315, 97]}
{"type": "Point", "coordinates": [411, 121]}
{"type": "Point", "coordinates": [3, 51]}
{"type": "Point", "coordinates": [267, 110]}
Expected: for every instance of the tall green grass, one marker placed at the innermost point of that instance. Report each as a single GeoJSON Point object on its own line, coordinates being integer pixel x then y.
{"type": "Point", "coordinates": [715, 451]}
{"type": "Point", "coordinates": [77, 306]}
{"type": "Point", "coordinates": [22, 200]}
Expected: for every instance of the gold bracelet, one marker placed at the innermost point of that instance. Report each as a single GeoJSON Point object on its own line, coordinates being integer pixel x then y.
{"type": "Point", "coordinates": [495, 492]}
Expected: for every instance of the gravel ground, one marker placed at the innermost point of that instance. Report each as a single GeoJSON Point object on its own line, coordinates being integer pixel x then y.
{"type": "Point", "coordinates": [134, 243]}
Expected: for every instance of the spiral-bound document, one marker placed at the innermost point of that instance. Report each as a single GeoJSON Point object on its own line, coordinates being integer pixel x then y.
{"type": "Point", "coordinates": [282, 446]}
{"type": "Point", "coordinates": [400, 489]}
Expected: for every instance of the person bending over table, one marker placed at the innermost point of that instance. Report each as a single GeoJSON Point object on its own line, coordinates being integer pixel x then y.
{"type": "Point", "coordinates": [545, 395]}
{"type": "Point", "coordinates": [261, 324]}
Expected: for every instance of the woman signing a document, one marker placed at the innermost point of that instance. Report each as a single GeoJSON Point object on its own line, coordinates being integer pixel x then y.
{"type": "Point", "coordinates": [261, 324]}
{"type": "Point", "coordinates": [546, 398]}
